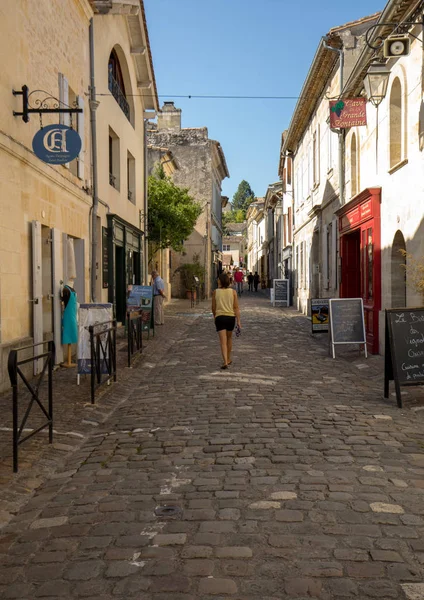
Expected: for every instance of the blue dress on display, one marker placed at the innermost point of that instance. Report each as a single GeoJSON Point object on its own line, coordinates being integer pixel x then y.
{"type": "Point", "coordinates": [69, 319]}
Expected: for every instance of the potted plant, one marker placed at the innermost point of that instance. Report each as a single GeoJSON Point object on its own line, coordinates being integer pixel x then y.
{"type": "Point", "coordinates": [188, 272]}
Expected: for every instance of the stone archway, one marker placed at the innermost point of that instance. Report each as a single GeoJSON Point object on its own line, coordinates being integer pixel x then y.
{"type": "Point", "coordinates": [398, 271]}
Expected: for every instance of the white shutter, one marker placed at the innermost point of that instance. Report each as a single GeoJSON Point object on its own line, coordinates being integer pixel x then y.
{"type": "Point", "coordinates": [325, 257]}
{"type": "Point", "coordinates": [66, 116]}
{"type": "Point", "coordinates": [37, 293]}
{"type": "Point", "coordinates": [61, 96]}
{"type": "Point", "coordinates": [57, 270]}
{"type": "Point", "coordinates": [81, 131]}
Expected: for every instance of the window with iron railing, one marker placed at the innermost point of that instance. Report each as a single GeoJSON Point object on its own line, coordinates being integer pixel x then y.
{"type": "Point", "coordinates": [116, 84]}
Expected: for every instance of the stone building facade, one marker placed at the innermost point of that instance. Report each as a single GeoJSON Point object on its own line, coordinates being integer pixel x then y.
{"type": "Point", "coordinates": [358, 192]}
{"type": "Point", "coordinates": [234, 245]}
{"type": "Point", "coordinates": [256, 238]}
{"type": "Point", "coordinates": [314, 149]}
{"type": "Point", "coordinates": [45, 210]}
{"type": "Point", "coordinates": [202, 168]}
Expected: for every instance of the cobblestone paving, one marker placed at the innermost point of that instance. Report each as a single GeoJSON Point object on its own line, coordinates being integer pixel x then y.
{"type": "Point", "coordinates": [290, 476]}
{"type": "Point", "coordinates": [75, 418]}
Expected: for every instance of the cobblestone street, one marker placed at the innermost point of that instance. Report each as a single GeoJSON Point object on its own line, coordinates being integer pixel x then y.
{"type": "Point", "coordinates": [286, 477]}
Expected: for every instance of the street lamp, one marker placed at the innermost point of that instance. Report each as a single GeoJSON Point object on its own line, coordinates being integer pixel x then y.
{"type": "Point", "coordinates": [376, 82]}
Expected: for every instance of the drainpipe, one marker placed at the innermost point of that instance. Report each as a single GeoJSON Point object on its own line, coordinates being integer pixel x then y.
{"type": "Point", "coordinates": [341, 131]}
{"type": "Point", "coordinates": [93, 107]}
{"type": "Point", "coordinates": [145, 209]}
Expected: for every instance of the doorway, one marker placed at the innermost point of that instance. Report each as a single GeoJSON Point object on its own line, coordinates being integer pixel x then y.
{"type": "Point", "coordinates": [398, 271]}
{"type": "Point", "coordinates": [121, 293]}
{"type": "Point", "coordinates": [351, 268]}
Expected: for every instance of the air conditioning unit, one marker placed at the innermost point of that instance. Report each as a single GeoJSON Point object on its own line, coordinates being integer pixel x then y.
{"type": "Point", "coordinates": [397, 45]}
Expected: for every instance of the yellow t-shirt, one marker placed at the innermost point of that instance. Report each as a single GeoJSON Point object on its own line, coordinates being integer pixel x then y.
{"type": "Point", "coordinates": [224, 299]}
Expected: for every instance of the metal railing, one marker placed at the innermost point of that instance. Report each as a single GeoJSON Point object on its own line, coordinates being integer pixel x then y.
{"type": "Point", "coordinates": [15, 373]}
{"type": "Point", "coordinates": [103, 354]}
{"type": "Point", "coordinates": [119, 96]}
{"type": "Point", "coordinates": [134, 333]}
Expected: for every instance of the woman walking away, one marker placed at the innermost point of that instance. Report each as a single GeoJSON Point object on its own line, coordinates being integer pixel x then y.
{"type": "Point", "coordinates": [226, 311]}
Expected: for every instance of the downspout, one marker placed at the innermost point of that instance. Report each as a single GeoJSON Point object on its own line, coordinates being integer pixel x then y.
{"type": "Point", "coordinates": [145, 209]}
{"type": "Point", "coordinates": [341, 131]}
{"type": "Point", "coordinates": [93, 125]}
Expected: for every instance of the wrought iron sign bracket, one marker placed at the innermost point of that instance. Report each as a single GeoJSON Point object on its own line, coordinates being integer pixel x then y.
{"type": "Point", "coordinates": [46, 104]}
{"type": "Point", "coordinates": [398, 28]}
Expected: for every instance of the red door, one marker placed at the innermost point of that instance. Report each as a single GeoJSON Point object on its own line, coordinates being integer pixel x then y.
{"type": "Point", "coordinates": [359, 227]}
{"type": "Point", "coordinates": [351, 265]}
{"type": "Point", "coordinates": [369, 283]}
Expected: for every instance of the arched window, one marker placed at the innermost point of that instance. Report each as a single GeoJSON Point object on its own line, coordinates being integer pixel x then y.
{"type": "Point", "coordinates": [354, 170]}
{"type": "Point", "coordinates": [116, 83]}
{"type": "Point", "coordinates": [396, 129]}
{"type": "Point", "coordinates": [398, 271]}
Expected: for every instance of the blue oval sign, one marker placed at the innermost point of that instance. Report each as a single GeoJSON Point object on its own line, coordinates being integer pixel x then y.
{"type": "Point", "coordinates": [56, 144]}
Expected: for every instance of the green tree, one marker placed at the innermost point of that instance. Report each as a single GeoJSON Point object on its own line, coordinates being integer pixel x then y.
{"type": "Point", "coordinates": [243, 197]}
{"type": "Point", "coordinates": [233, 216]}
{"type": "Point", "coordinates": [172, 213]}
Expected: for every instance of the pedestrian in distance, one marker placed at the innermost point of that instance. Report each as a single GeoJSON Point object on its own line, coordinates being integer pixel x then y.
{"type": "Point", "coordinates": [250, 281]}
{"type": "Point", "coordinates": [158, 298]}
{"type": "Point", "coordinates": [256, 280]}
{"type": "Point", "coordinates": [238, 278]}
{"type": "Point", "coordinates": [226, 312]}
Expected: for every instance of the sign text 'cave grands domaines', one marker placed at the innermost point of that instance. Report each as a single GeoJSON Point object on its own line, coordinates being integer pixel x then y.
{"type": "Point", "coordinates": [350, 112]}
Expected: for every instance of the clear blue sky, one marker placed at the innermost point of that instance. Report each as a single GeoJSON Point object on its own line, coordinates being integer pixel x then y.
{"type": "Point", "coordinates": [241, 48]}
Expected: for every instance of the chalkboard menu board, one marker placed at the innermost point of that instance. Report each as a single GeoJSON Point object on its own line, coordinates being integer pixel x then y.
{"type": "Point", "coordinates": [320, 315]}
{"type": "Point", "coordinates": [347, 324]}
{"type": "Point", "coordinates": [281, 292]}
{"type": "Point", "coordinates": [404, 355]}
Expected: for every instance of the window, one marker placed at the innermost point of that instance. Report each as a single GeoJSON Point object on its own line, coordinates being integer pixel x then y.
{"type": "Point", "coordinates": [131, 177]}
{"type": "Point", "coordinates": [114, 160]}
{"type": "Point", "coordinates": [289, 171]}
{"type": "Point", "coordinates": [354, 170]}
{"type": "Point", "coordinates": [289, 225]}
{"type": "Point", "coordinates": [302, 270]}
{"type": "Point", "coordinates": [297, 266]}
{"type": "Point", "coordinates": [116, 83]}
{"type": "Point", "coordinates": [310, 177]}
{"type": "Point", "coordinates": [226, 247]}
{"type": "Point", "coordinates": [316, 146]}
{"type": "Point", "coordinates": [396, 129]}
{"type": "Point", "coordinates": [68, 97]}
{"type": "Point", "coordinates": [329, 148]}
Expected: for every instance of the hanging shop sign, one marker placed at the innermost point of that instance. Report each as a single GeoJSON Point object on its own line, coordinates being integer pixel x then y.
{"type": "Point", "coordinates": [56, 144]}
{"type": "Point", "coordinates": [320, 315]}
{"type": "Point", "coordinates": [347, 324]}
{"type": "Point", "coordinates": [351, 112]}
{"type": "Point", "coordinates": [404, 353]}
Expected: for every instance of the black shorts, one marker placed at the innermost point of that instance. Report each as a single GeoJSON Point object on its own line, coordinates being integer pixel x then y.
{"type": "Point", "coordinates": [224, 322]}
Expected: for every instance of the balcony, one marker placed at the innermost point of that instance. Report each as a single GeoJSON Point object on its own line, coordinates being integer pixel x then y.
{"type": "Point", "coordinates": [118, 94]}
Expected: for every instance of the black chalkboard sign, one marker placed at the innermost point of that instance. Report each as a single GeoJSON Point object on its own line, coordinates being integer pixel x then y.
{"type": "Point", "coordinates": [281, 292]}
{"type": "Point", "coordinates": [347, 324]}
{"type": "Point", "coordinates": [404, 354]}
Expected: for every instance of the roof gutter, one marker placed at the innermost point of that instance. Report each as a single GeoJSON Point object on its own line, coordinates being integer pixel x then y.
{"type": "Point", "coordinates": [309, 76]}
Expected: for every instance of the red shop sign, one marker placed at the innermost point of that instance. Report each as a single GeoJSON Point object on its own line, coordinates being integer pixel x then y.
{"type": "Point", "coordinates": [350, 112]}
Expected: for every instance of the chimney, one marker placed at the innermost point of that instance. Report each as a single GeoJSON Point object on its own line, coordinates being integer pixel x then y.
{"type": "Point", "coordinates": [169, 117]}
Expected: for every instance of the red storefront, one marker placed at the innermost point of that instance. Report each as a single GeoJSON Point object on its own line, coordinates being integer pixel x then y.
{"type": "Point", "coordinates": [360, 252]}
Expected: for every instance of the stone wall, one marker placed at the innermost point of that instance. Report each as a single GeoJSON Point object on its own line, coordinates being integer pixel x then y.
{"type": "Point", "coordinates": [193, 151]}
